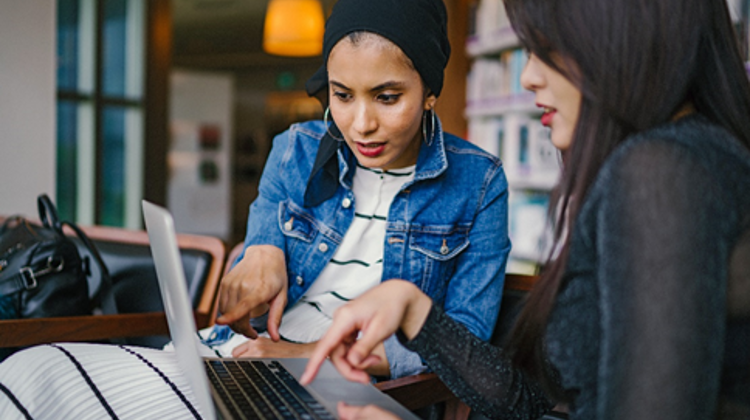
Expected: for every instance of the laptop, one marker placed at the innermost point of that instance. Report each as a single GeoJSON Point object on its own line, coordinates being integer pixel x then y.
{"type": "Point", "coordinates": [266, 388]}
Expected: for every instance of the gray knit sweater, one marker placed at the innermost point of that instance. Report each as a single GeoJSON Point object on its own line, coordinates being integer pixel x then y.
{"type": "Point", "coordinates": [653, 320]}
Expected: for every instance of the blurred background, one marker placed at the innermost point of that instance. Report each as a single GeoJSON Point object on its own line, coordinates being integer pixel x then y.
{"type": "Point", "coordinates": [107, 102]}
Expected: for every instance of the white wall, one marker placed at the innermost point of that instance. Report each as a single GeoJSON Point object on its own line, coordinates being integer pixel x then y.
{"type": "Point", "coordinates": [200, 205]}
{"type": "Point", "coordinates": [27, 104]}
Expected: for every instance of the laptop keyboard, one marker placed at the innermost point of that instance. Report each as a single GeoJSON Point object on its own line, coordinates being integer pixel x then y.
{"type": "Point", "coordinates": [255, 390]}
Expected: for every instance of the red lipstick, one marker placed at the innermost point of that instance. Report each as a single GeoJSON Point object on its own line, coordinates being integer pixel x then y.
{"type": "Point", "coordinates": [547, 118]}
{"type": "Point", "coordinates": [370, 150]}
{"type": "Point", "coordinates": [547, 115]}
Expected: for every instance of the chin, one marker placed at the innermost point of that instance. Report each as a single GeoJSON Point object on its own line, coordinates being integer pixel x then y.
{"type": "Point", "coordinates": [561, 143]}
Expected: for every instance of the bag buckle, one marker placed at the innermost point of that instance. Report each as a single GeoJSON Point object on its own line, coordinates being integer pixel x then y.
{"type": "Point", "coordinates": [29, 276]}
{"type": "Point", "coordinates": [29, 279]}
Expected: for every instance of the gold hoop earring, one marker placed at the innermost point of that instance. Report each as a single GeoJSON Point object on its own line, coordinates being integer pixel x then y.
{"type": "Point", "coordinates": [428, 139]}
{"type": "Point", "coordinates": [325, 121]}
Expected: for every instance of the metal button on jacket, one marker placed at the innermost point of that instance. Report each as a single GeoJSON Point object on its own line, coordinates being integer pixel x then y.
{"type": "Point", "coordinates": [323, 247]}
{"type": "Point", "coordinates": [444, 249]}
{"type": "Point", "coordinates": [346, 203]}
{"type": "Point", "coordinates": [300, 281]}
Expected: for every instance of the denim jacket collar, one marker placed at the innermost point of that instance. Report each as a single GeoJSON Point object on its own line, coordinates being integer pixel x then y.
{"type": "Point", "coordinates": [431, 160]}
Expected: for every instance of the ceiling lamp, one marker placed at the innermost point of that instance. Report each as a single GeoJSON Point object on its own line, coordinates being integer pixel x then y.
{"type": "Point", "coordinates": [294, 28]}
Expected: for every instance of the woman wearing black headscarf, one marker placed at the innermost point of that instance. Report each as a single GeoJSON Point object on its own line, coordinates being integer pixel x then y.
{"type": "Point", "coordinates": [387, 195]}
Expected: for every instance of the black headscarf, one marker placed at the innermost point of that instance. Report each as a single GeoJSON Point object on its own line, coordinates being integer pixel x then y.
{"type": "Point", "coordinates": [418, 27]}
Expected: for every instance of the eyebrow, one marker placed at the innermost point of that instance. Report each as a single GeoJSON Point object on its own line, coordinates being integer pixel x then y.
{"type": "Point", "coordinates": [378, 88]}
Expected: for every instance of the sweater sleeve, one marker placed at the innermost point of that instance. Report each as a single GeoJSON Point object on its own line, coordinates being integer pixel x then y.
{"type": "Point", "coordinates": [662, 264]}
{"type": "Point", "coordinates": [475, 371]}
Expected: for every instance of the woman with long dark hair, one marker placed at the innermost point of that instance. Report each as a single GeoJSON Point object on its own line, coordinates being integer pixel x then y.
{"type": "Point", "coordinates": [643, 311]}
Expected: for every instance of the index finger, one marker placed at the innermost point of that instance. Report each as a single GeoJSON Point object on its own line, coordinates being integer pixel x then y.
{"type": "Point", "coordinates": [240, 310]}
{"type": "Point", "coordinates": [334, 337]}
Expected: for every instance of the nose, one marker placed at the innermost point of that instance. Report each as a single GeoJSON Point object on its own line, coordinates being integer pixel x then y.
{"type": "Point", "coordinates": [531, 76]}
{"type": "Point", "coordinates": [365, 121]}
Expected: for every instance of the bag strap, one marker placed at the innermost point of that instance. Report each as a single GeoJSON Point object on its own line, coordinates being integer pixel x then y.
{"type": "Point", "coordinates": [48, 213]}
{"type": "Point", "coordinates": [26, 277]}
{"type": "Point", "coordinates": [104, 293]}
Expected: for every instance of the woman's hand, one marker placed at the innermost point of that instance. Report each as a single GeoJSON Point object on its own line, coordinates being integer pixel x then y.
{"type": "Point", "coordinates": [374, 316]}
{"type": "Point", "coordinates": [258, 283]}
{"type": "Point", "coordinates": [264, 347]}
{"type": "Point", "coordinates": [353, 412]}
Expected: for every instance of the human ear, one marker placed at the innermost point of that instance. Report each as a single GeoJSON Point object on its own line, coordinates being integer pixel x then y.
{"type": "Point", "coordinates": [430, 101]}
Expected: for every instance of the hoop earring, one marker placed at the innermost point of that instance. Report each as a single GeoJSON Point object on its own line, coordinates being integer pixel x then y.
{"type": "Point", "coordinates": [428, 139]}
{"type": "Point", "coordinates": [325, 121]}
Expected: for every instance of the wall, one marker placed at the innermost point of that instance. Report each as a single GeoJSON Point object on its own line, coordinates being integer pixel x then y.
{"type": "Point", "coordinates": [257, 95]}
{"type": "Point", "coordinates": [451, 105]}
{"type": "Point", "coordinates": [27, 104]}
{"type": "Point", "coordinates": [201, 125]}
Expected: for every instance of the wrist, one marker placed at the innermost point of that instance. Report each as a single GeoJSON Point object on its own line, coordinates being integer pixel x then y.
{"type": "Point", "coordinates": [264, 252]}
{"type": "Point", "coordinates": [417, 308]}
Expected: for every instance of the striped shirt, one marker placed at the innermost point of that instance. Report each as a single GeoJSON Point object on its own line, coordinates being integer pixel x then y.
{"type": "Point", "coordinates": [357, 264]}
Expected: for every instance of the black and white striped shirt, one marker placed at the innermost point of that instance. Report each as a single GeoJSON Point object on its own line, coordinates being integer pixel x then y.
{"type": "Point", "coordinates": [357, 264]}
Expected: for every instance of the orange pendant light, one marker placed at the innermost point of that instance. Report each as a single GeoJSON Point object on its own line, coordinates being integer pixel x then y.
{"type": "Point", "coordinates": [294, 28]}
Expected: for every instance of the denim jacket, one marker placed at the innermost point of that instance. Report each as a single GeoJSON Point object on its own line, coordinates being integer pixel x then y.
{"type": "Point", "coordinates": [446, 230]}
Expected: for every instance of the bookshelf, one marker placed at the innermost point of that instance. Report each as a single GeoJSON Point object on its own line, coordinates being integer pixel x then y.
{"type": "Point", "coordinates": [504, 120]}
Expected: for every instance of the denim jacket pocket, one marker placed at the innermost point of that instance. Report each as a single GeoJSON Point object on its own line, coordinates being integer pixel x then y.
{"type": "Point", "coordinates": [294, 222]}
{"type": "Point", "coordinates": [440, 242]}
{"type": "Point", "coordinates": [435, 249]}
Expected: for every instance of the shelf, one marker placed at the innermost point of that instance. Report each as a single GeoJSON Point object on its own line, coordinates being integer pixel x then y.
{"type": "Point", "coordinates": [539, 182]}
{"type": "Point", "coordinates": [522, 102]}
{"type": "Point", "coordinates": [521, 267]}
{"type": "Point", "coordinates": [492, 42]}
{"type": "Point", "coordinates": [529, 257]}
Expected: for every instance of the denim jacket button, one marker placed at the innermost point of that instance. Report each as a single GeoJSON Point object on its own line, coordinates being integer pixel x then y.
{"type": "Point", "coordinates": [300, 281]}
{"type": "Point", "coordinates": [323, 247]}
{"type": "Point", "coordinates": [346, 203]}
{"type": "Point", "coordinates": [444, 250]}
{"type": "Point", "coordinates": [288, 225]}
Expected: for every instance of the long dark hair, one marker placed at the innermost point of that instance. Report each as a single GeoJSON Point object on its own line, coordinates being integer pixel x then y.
{"type": "Point", "coordinates": [636, 64]}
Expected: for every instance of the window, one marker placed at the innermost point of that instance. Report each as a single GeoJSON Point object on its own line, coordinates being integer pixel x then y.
{"type": "Point", "coordinates": [100, 111]}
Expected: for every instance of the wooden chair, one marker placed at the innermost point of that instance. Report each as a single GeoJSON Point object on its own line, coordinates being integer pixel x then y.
{"type": "Point", "coordinates": [140, 319]}
{"type": "Point", "coordinates": [417, 392]}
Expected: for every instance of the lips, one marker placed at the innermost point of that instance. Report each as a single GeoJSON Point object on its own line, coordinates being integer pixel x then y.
{"type": "Point", "coordinates": [370, 150]}
{"type": "Point", "coordinates": [548, 114]}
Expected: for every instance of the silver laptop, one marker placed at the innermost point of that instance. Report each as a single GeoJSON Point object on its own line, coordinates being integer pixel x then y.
{"type": "Point", "coordinates": [266, 388]}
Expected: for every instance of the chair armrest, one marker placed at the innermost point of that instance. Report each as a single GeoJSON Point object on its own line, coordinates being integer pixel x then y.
{"type": "Point", "coordinates": [416, 391]}
{"type": "Point", "coordinates": [28, 332]}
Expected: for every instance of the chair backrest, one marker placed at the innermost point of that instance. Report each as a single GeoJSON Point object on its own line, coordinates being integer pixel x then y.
{"type": "Point", "coordinates": [515, 290]}
{"type": "Point", "coordinates": [140, 316]}
{"type": "Point", "coordinates": [127, 255]}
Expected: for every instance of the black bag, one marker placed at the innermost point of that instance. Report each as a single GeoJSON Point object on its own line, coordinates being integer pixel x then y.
{"type": "Point", "coordinates": [42, 273]}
